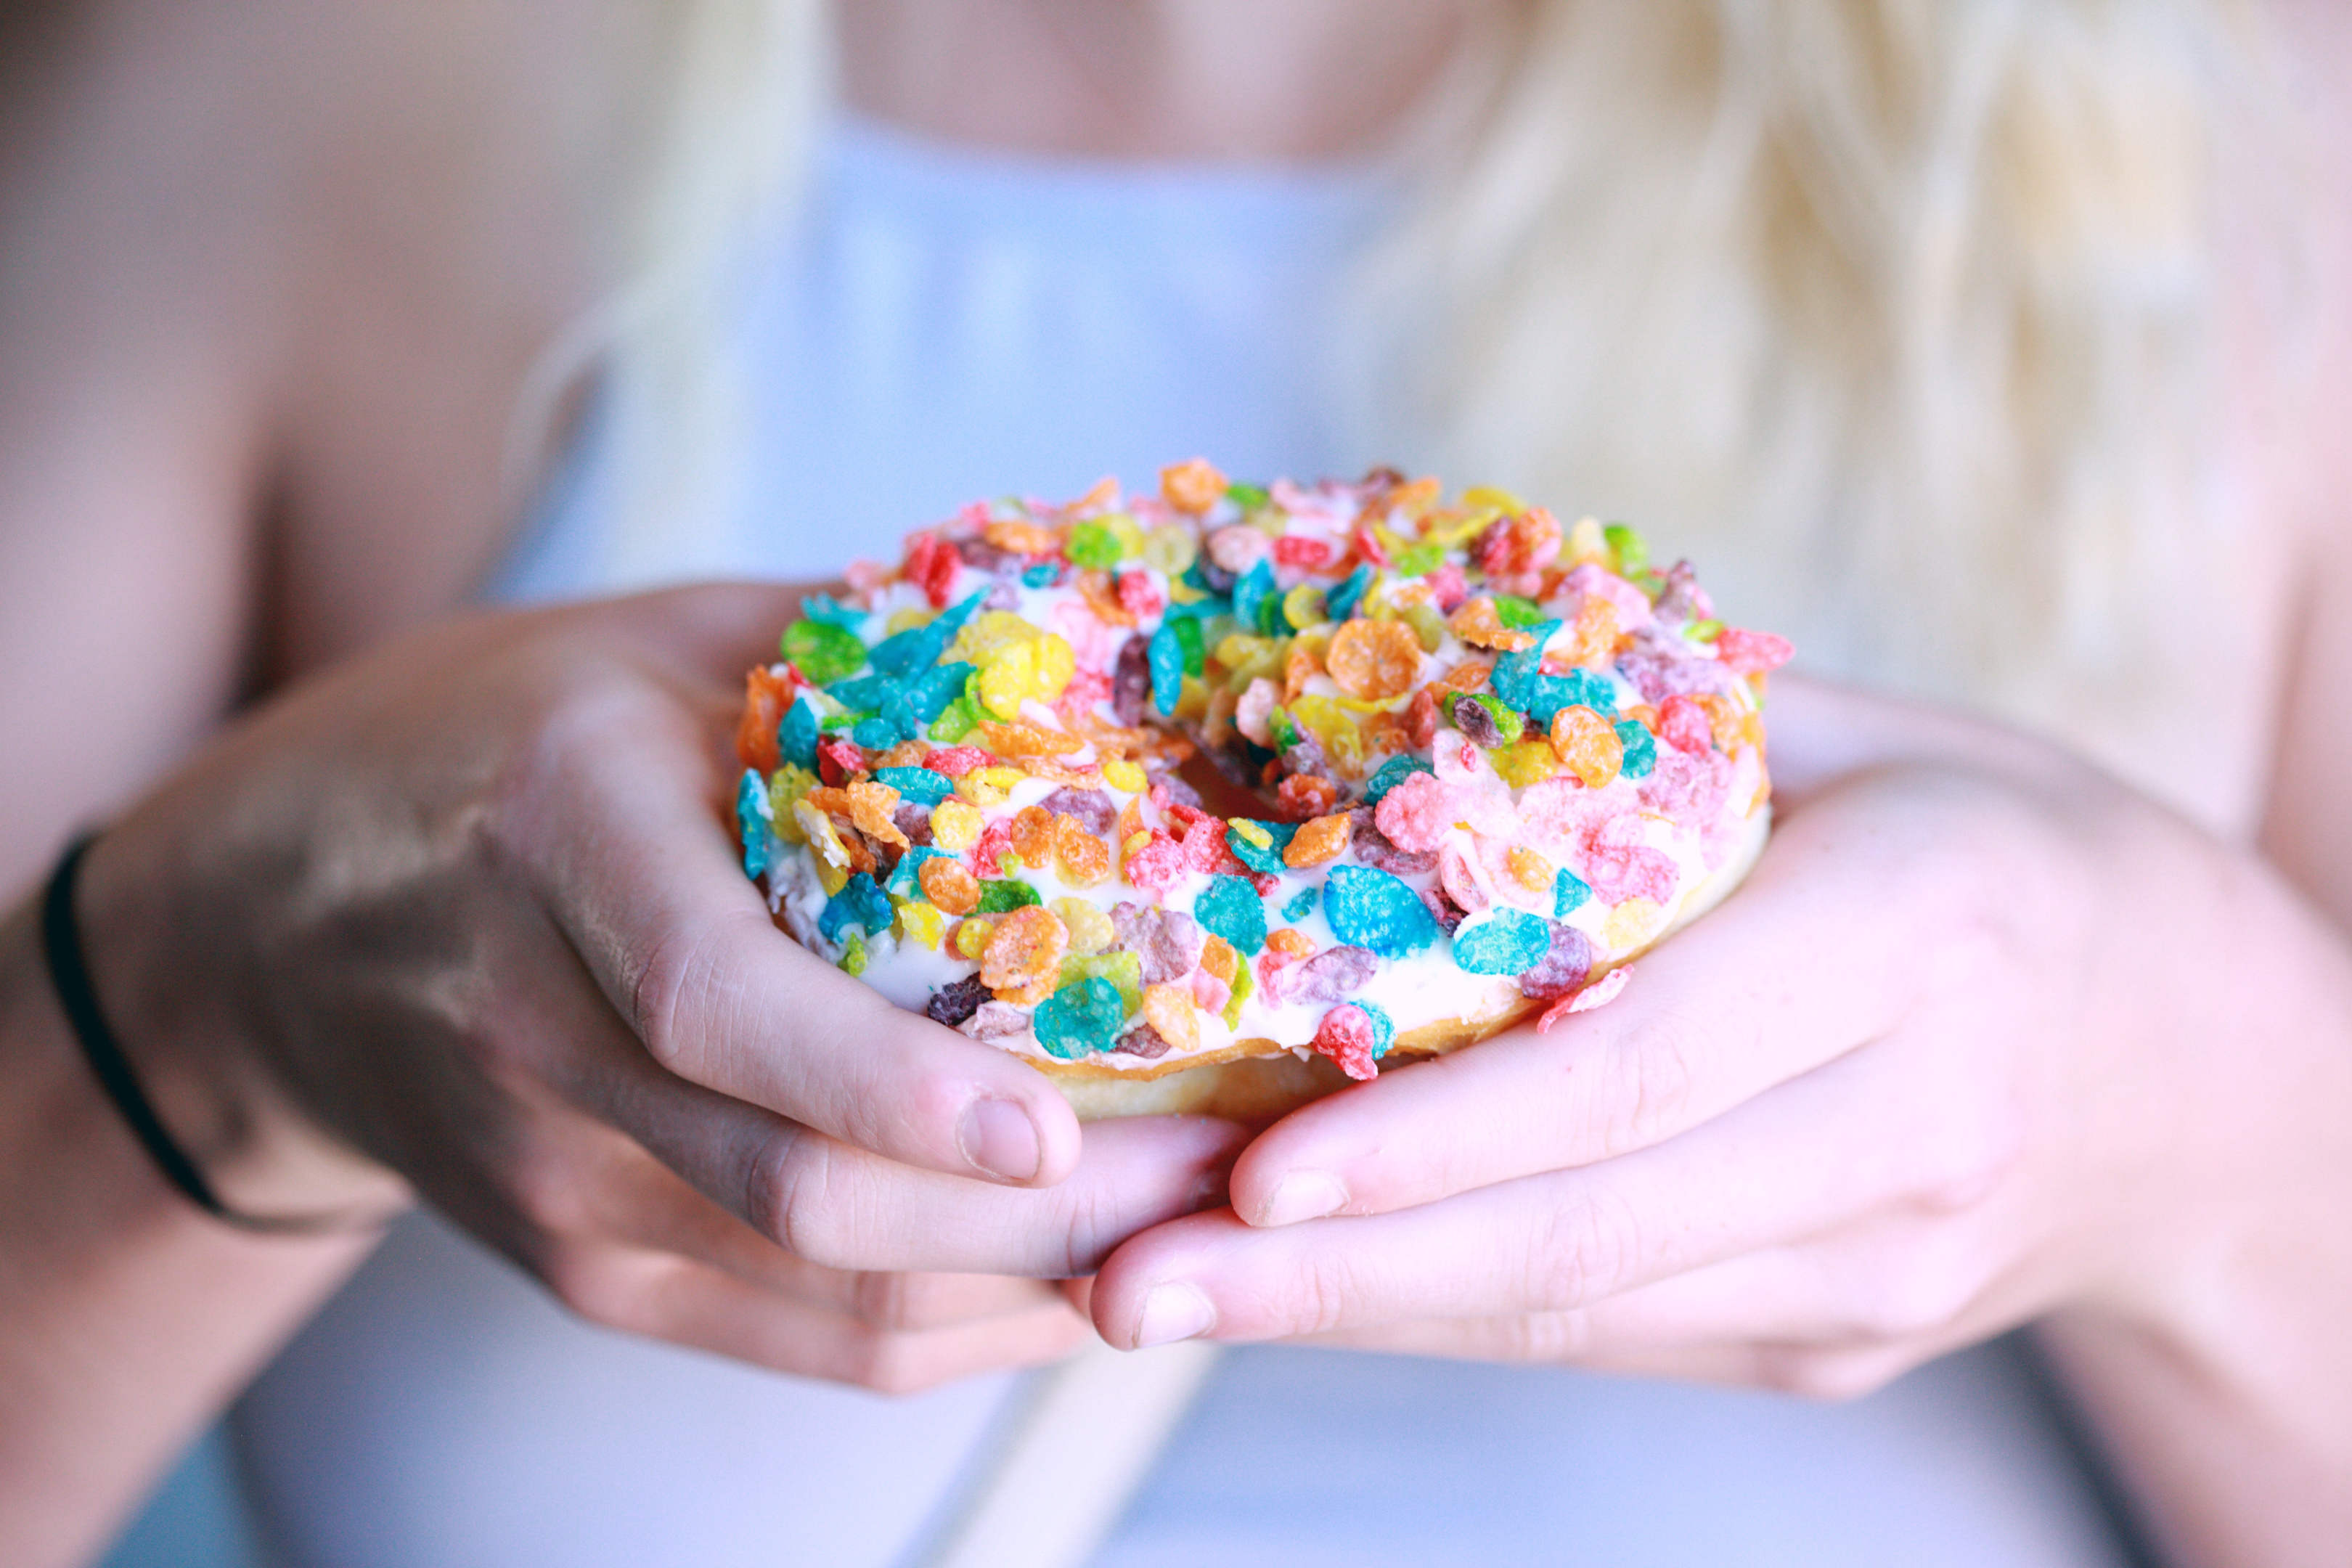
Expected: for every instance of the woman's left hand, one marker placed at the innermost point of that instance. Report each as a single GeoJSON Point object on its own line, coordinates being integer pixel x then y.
{"type": "Point", "coordinates": [1984, 1035]}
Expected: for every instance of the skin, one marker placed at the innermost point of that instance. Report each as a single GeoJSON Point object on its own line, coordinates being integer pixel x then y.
{"type": "Point", "coordinates": [399, 903]}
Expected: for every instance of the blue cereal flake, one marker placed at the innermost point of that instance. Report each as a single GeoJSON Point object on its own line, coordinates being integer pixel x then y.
{"type": "Point", "coordinates": [1301, 905]}
{"type": "Point", "coordinates": [1267, 857]}
{"type": "Point", "coordinates": [1230, 907]}
{"type": "Point", "coordinates": [859, 903]}
{"type": "Point", "coordinates": [1392, 773]}
{"type": "Point", "coordinates": [1341, 601]}
{"type": "Point", "coordinates": [1585, 688]}
{"type": "Point", "coordinates": [876, 735]}
{"type": "Point", "coordinates": [923, 697]}
{"type": "Point", "coordinates": [907, 881]}
{"type": "Point", "coordinates": [1640, 748]}
{"type": "Point", "coordinates": [862, 693]}
{"type": "Point", "coordinates": [796, 734]}
{"type": "Point", "coordinates": [832, 611]}
{"type": "Point", "coordinates": [1516, 678]}
{"type": "Point", "coordinates": [921, 786]}
{"type": "Point", "coordinates": [1383, 1026]}
{"type": "Point", "coordinates": [917, 648]}
{"type": "Point", "coordinates": [1043, 575]}
{"type": "Point", "coordinates": [1257, 602]}
{"type": "Point", "coordinates": [1377, 910]}
{"type": "Point", "coordinates": [1569, 892]}
{"type": "Point", "coordinates": [1165, 655]}
{"type": "Point", "coordinates": [1507, 941]}
{"type": "Point", "coordinates": [752, 821]}
{"type": "Point", "coordinates": [1080, 1019]}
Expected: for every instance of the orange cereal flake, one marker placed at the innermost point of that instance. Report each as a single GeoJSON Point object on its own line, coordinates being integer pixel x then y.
{"type": "Point", "coordinates": [870, 805]}
{"type": "Point", "coordinates": [905, 754]}
{"type": "Point", "coordinates": [1025, 950]}
{"type": "Point", "coordinates": [1032, 835]}
{"type": "Point", "coordinates": [1302, 797]}
{"type": "Point", "coordinates": [1588, 746]}
{"type": "Point", "coordinates": [1596, 634]}
{"type": "Point", "coordinates": [1374, 661]}
{"type": "Point", "coordinates": [1733, 725]}
{"type": "Point", "coordinates": [1323, 839]}
{"type": "Point", "coordinates": [1529, 869]}
{"type": "Point", "coordinates": [1421, 718]}
{"type": "Point", "coordinates": [1083, 859]}
{"type": "Point", "coordinates": [1468, 675]}
{"type": "Point", "coordinates": [764, 697]}
{"type": "Point", "coordinates": [1170, 1010]}
{"type": "Point", "coordinates": [1298, 668]}
{"type": "Point", "coordinates": [1193, 485]}
{"type": "Point", "coordinates": [1219, 959]}
{"type": "Point", "coordinates": [948, 885]}
{"type": "Point", "coordinates": [1024, 739]}
{"type": "Point", "coordinates": [1289, 942]}
{"type": "Point", "coordinates": [1476, 624]}
{"type": "Point", "coordinates": [1024, 538]}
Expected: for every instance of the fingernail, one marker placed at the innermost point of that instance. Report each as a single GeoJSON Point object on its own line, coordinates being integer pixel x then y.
{"type": "Point", "coordinates": [1303, 1194]}
{"type": "Point", "coordinates": [1173, 1313]}
{"type": "Point", "coordinates": [998, 1136]}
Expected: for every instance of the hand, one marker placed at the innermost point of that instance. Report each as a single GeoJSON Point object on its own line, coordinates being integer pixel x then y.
{"type": "Point", "coordinates": [1984, 1035]}
{"type": "Point", "coordinates": [470, 910]}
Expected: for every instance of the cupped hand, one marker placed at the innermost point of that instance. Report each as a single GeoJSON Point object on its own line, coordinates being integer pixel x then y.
{"type": "Point", "coordinates": [471, 909]}
{"type": "Point", "coordinates": [1983, 1035]}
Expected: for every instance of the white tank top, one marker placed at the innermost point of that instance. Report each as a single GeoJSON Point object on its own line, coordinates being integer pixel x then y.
{"type": "Point", "coordinates": [952, 324]}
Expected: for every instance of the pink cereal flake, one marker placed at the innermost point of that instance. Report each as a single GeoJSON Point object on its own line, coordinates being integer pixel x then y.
{"type": "Point", "coordinates": [956, 760]}
{"type": "Point", "coordinates": [1688, 786]}
{"type": "Point", "coordinates": [1684, 725]}
{"type": "Point", "coordinates": [1751, 653]}
{"type": "Point", "coordinates": [1159, 865]}
{"type": "Point", "coordinates": [1346, 1036]}
{"type": "Point", "coordinates": [1417, 814]}
{"type": "Point", "coordinates": [1461, 880]}
{"type": "Point", "coordinates": [1613, 858]}
{"type": "Point", "coordinates": [1209, 992]}
{"type": "Point", "coordinates": [993, 841]}
{"type": "Point", "coordinates": [1600, 992]}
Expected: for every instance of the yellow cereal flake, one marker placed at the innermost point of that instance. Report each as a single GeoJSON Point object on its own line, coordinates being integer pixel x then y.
{"type": "Point", "coordinates": [956, 825]}
{"type": "Point", "coordinates": [1169, 550]}
{"type": "Point", "coordinates": [1632, 925]}
{"type": "Point", "coordinates": [972, 937]}
{"type": "Point", "coordinates": [1523, 763]}
{"type": "Point", "coordinates": [922, 924]}
{"type": "Point", "coordinates": [907, 619]}
{"type": "Point", "coordinates": [818, 828]}
{"type": "Point", "coordinates": [1254, 835]}
{"type": "Point", "coordinates": [785, 789]}
{"type": "Point", "coordinates": [989, 634]}
{"type": "Point", "coordinates": [1587, 544]}
{"type": "Point", "coordinates": [1090, 929]}
{"type": "Point", "coordinates": [1122, 775]}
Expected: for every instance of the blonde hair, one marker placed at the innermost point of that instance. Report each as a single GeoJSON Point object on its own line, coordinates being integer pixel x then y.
{"type": "Point", "coordinates": [1896, 314]}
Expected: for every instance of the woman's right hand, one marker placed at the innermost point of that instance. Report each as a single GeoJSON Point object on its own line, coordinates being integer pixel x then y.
{"type": "Point", "coordinates": [468, 910]}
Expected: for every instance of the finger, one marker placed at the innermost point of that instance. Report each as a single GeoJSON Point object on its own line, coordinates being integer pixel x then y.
{"type": "Point", "coordinates": [1763, 1176]}
{"type": "Point", "coordinates": [606, 1191]}
{"type": "Point", "coordinates": [681, 944]}
{"type": "Point", "coordinates": [667, 1297]}
{"type": "Point", "coordinates": [1800, 967]}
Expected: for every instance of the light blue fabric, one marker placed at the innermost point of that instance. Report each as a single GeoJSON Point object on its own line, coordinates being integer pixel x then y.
{"type": "Point", "coordinates": [949, 325]}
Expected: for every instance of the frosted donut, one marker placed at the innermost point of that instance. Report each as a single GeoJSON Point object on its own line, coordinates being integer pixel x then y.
{"type": "Point", "coordinates": [1492, 761]}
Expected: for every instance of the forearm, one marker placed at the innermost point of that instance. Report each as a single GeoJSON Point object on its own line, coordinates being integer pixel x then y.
{"type": "Point", "coordinates": [2221, 1379]}
{"type": "Point", "coordinates": [126, 1315]}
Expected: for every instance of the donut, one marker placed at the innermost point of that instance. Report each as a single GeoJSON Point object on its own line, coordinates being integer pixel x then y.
{"type": "Point", "coordinates": [1463, 765]}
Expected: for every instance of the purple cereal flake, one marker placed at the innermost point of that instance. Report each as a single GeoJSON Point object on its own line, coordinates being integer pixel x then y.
{"type": "Point", "coordinates": [1306, 755]}
{"type": "Point", "coordinates": [1169, 941]}
{"type": "Point", "coordinates": [1470, 717]}
{"type": "Point", "coordinates": [1450, 915]}
{"type": "Point", "coordinates": [997, 1021]}
{"type": "Point", "coordinates": [1092, 807]}
{"type": "Point", "coordinates": [954, 1003]}
{"type": "Point", "coordinates": [915, 822]}
{"type": "Point", "coordinates": [1682, 600]}
{"type": "Point", "coordinates": [1130, 682]}
{"type": "Point", "coordinates": [1330, 975]}
{"type": "Point", "coordinates": [1377, 850]}
{"type": "Point", "coordinates": [1002, 596]}
{"type": "Point", "coordinates": [1144, 1041]}
{"type": "Point", "coordinates": [987, 557]}
{"type": "Point", "coordinates": [1179, 791]}
{"type": "Point", "coordinates": [1560, 970]}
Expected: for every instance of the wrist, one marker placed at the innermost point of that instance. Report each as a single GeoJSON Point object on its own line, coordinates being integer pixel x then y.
{"type": "Point", "coordinates": [165, 988]}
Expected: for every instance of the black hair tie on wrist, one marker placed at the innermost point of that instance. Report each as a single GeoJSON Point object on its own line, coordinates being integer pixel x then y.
{"type": "Point", "coordinates": [69, 973]}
